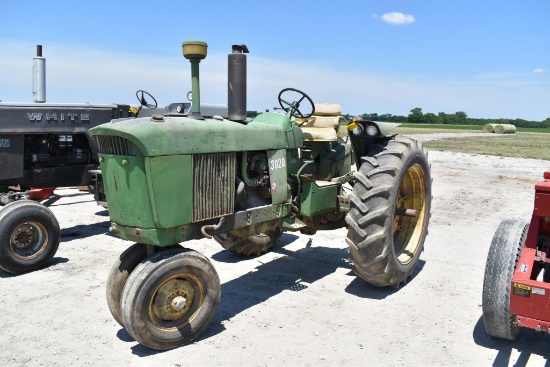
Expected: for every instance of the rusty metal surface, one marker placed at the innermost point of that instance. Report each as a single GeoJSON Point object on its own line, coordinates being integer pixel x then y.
{"type": "Point", "coordinates": [213, 185]}
{"type": "Point", "coordinates": [113, 145]}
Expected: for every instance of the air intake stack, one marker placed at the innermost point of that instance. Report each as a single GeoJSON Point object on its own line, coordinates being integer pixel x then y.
{"type": "Point", "coordinates": [236, 78]}
{"type": "Point", "coordinates": [39, 76]}
{"type": "Point", "coordinates": [195, 51]}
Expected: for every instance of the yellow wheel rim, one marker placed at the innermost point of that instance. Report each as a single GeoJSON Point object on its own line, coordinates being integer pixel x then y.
{"type": "Point", "coordinates": [410, 215]}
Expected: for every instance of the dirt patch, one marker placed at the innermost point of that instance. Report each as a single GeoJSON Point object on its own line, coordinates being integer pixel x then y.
{"type": "Point", "coordinates": [299, 305]}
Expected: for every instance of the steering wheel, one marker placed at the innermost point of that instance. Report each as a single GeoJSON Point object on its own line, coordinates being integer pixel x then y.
{"type": "Point", "coordinates": [142, 100]}
{"type": "Point", "coordinates": [295, 106]}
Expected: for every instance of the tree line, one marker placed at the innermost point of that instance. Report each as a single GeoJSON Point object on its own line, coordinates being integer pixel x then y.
{"type": "Point", "coordinates": [458, 118]}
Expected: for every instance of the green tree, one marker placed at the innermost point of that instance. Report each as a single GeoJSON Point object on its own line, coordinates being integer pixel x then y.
{"type": "Point", "coordinates": [416, 116]}
{"type": "Point", "coordinates": [431, 118]}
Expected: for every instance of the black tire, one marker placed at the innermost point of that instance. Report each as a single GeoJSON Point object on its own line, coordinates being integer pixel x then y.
{"type": "Point", "coordinates": [121, 270]}
{"type": "Point", "coordinates": [254, 245]}
{"type": "Point", "coordinates": [504, 253]}
{"type": "Point", "coordinates": [385, 245]}
{"type": "Point", "coordinates": [29, 236]}
{"type": "Point", "coordinates": [156, 290]}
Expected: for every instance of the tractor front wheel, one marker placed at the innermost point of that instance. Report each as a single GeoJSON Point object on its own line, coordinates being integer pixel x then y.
{"type": "Point", "coordinates": [504, 253]}
{"type": "Point", "coordinates": [29, 236]}
{"type": "Point", "coordinates": [170, 298]}
{"type": "Point", "coordinates": [121, 270]}
{"type": "Point", "coordinates": [390, 210]}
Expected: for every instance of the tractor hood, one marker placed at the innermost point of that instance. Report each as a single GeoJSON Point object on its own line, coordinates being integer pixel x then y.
{"type": "Point", "coordinates": [166, 135]}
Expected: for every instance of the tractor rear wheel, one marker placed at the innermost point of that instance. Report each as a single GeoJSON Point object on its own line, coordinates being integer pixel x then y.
{"type": "Point", "coordinates": [390, 210]}
{"type": "Point", "coordinates": [170, 298]}
{"type": "Point", "coordinates": [29, 236]}
{"type": "Point", "coordinates": [504, 253]}
{"type": "Point", "coordinates": [252, 245]}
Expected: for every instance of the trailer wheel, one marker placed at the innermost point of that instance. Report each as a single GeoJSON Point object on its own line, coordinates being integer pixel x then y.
{"type": "Point", "coordinates": [390, 210]}
{"type": "Point", "coordinates": [29, 236]}
{"type": "Point", "coordinates": [170, 298]}
{"type": "Point", "coordinates": [253, 245]}
{"type": "Point", "coordinates": [504, 253]}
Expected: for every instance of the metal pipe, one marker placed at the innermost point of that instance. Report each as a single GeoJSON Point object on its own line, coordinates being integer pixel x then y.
{"type": "Point", "coordinates": [39, 76]}
{"type": "Point", "coordinates": [412, 213]}
{"type": "Point", "coordinates": [213, 227]}
{"type": "Point", "coordinates": [236, 83]}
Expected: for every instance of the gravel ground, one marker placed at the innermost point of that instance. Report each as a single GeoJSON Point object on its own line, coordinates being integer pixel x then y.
{"type": "Point", "coordinates": [299, 305]}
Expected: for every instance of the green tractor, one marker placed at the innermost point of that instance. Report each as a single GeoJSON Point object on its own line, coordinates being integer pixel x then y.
{"type": "Point", "coordinates": [179, 176]}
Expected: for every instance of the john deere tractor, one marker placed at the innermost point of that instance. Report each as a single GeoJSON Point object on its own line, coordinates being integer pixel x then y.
{"type": "Point", "coordinates": [172, 178]}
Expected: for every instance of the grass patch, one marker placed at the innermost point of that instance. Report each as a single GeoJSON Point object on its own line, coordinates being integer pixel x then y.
{"type": "Point", "coordinates": [520, 145]}
{"type": "Point", "coordinates": [526, 143]}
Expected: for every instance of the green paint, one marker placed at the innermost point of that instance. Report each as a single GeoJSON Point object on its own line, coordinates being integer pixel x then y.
{"type": "Point", "coordinates": [170, 183]}
{"type": "Point", "coordinates": [318, 199]}
{"type": "Point", "coordinates": [180, 135]}
{"type": "Point", "coordinates": [277, 164]}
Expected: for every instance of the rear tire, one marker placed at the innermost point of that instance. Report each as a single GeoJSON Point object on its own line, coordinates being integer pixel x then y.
{"type": "Point", "coordinates": [506, 247]}
{"type": "Point", "coordinates": [29, 236]}
{"type": "Point", "coordinates": [384, 244]}
{"type": "Point", "coordinates": [254, 245]}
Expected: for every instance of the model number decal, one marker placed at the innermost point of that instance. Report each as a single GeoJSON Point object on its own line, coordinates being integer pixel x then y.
{"type": "Point", "coordinates": [277, 163]}
{"type": "Point", "coordinates": [4, 143]}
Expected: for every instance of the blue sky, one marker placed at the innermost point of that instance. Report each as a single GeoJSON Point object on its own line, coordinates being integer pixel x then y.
{"type": "Point", "coordinates": [487, 58]}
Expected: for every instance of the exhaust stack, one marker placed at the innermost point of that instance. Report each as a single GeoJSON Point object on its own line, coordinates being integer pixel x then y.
{"type": "Point", "coordinates": [39, 76]}
{"type": "Point", "coordinates": [195, 51]}
{"type": "Point", "coordinates": [236, 80]}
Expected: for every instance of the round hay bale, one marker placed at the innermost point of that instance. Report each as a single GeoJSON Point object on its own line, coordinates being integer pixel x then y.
{"type": "Point", "coordinates": [505, 129]}
{"type": "Point", "coordinates": [489, 128]}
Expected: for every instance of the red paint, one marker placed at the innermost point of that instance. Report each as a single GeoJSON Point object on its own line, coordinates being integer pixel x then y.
{"type": "Point", "coordinates": [40, 194]}
{"type": "Point", "coordinates": [529, 298]}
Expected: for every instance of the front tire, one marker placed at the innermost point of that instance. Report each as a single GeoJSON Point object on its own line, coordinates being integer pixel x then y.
{"type": "Point", "coordinates": [390, 210]}
{"type": "Point", "coordinates": [170, 298]}
{"type": "Point", "coordinates": [29, 236]}
{"type": "Point", "coordinates": [121, 270]}
{"type": "Point", "coordinates": [506, 247]}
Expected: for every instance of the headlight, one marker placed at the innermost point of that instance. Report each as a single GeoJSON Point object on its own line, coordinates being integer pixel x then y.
{"type": "Point", "coordinates": [372, 130]}
{"type": "Point", "coordinates": [358, 130]}
{"type": "Point", "coordinates": [355, 128]}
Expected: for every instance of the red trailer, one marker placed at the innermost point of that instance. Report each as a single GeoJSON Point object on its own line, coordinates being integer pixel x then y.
{"type": "Point", "coordinates": [516, 288]}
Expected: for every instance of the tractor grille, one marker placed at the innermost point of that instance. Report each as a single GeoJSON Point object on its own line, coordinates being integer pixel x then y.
{"type": "Point", "coordinates": [214, 185]}
{"type": "Point", "coordinates": [113, 145]}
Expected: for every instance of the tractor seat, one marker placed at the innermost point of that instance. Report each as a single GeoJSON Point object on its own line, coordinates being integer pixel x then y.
{"type": "Point", "coordinates": [323, 125]}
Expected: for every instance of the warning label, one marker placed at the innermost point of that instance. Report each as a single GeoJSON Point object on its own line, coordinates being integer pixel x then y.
{"type": "Point", "coordinates": [522, 290]}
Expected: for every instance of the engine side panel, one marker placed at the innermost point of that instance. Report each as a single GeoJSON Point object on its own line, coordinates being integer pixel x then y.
{"type": "Point", "coordinates": [11, 156]}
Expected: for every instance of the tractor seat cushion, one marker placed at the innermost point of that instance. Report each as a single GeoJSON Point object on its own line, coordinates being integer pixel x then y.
{"type": "Point", "coordinates": [328, 109]}
{"type": "Point", "coordinates": [324, 124]}
{"type": "Point", "coordinates": [319, 134]}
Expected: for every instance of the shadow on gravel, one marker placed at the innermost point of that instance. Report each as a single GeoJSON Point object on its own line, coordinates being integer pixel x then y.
{"type": "Point", "coordinates": [84, 230]}
{"type": "Point", "coordinates": [358, 287]}
{"type": "Point", "coordinates": [233, 258]}
{"type": "Point", "coordinates": [528, 342]}
{"type": "Point", "coordinates": [52, 262]}
{"type": "Point", "coordinates": [102, 213]}
{"type": "Point", "coordinates": [294, 271]}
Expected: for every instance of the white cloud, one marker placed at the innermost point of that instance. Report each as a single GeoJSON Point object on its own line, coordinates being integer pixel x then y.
{"type": "Point", "coordinates": [77, 74]}
{"type": "Point", "coordinates": [397, 18]}
{"type": "Point", "coordinates": [539, 70]}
